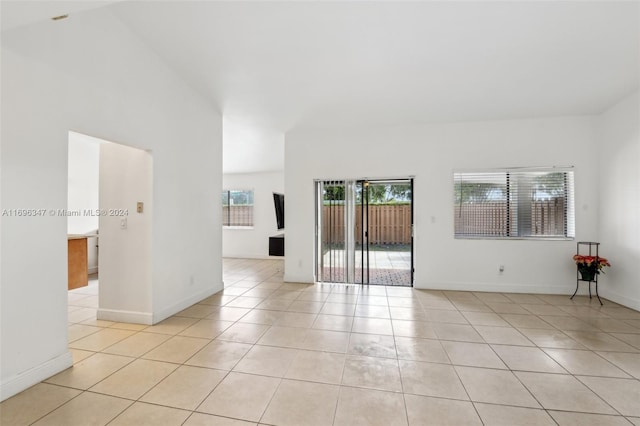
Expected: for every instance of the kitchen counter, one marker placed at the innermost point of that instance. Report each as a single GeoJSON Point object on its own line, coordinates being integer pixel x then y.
{"type": "Point", "coordinates": [80, 236]}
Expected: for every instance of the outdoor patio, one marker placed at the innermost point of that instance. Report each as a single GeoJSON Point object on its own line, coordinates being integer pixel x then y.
{"type": "Point", "coordinates": [386, 267]}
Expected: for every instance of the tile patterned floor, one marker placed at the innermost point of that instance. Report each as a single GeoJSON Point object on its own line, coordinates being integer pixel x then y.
{"type": "Point", "coordinates": [273, 353]}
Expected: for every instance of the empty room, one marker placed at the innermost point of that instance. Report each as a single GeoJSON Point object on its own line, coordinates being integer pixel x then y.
{"type": "Point", "coordinates": [320, 213]}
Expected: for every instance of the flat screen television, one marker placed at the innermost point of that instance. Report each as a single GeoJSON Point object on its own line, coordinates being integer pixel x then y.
{"type": "Point", "coordinates": [278, 201]}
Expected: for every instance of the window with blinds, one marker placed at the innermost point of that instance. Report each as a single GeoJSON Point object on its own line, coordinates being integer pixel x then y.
{"type": "Point", "coordinates": [237, 208]}
{"type": "Point", "coordinates": [518, 203]}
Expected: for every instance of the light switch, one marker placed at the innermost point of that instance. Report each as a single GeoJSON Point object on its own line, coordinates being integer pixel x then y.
{"type": "Point", "coordinates": [140, 207]}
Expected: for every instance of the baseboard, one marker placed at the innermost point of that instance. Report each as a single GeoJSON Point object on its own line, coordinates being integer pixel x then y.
{"type": "Point", "coordinates": [184, 304]}
{"type": "Point", "coordinates": [475, 286]}
{"type": "Point", "coordinates": [629, 302]}
{"type": "Point", "coordinates": [25, 380]}
{"type": "Point", "coordinates": [92, 270]}
{"type": "Point", "coordinates": [566, 289]}
{"type": "Point", "coordinates": [132, 317]}
{"type": "Point", "coordinates": [251, 256]}
{"type": "Point", "coordinates": [502, 288]}
{"type": "Point", "coordinates": [289, 278]}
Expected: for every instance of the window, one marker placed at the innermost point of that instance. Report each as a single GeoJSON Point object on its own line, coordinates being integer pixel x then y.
{"type": "Point", "coordinates": [237, 208]}
{"type": "Point", "coordinates": [518, 203]}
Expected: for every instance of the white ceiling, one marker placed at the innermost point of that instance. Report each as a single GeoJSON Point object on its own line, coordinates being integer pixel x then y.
{"type": "Point", "coordinates": [275, 66]}
{"type": "Point", "coordinates": [16, 13]}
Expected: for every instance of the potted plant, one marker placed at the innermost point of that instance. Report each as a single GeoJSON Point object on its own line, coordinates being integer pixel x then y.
{"type": "Point", "coordinates": [589, 266]}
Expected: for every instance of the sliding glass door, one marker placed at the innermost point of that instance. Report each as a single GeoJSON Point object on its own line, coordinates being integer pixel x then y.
{"type": "Point", "coordinates": [364, 231]}
{"type": "Point", "coordinates": [330, 232]}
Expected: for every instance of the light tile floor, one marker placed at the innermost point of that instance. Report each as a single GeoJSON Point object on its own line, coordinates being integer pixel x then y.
{"type": "Point", "coordinates": [273, 353]}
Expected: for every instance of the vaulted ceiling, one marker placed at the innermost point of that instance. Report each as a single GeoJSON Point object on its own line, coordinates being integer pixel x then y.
{"type": "Point", "coordinates": [274, 66]}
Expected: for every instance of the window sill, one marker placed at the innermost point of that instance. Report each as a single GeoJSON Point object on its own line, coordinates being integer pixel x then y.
{"type": "Point", "coordinates": [464, 237]}
{"type": "Point", "coordinates": [237, 227]}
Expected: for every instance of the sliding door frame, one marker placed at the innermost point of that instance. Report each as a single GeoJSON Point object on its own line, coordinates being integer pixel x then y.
{"type": "Point", "coordinates": [350, 249]}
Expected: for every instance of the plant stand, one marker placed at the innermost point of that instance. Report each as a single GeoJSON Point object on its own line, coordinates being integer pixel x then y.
{"type": "Point", "coordinates": [592, 247]}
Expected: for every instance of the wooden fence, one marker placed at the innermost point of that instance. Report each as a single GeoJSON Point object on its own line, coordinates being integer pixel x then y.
{"type": "Point", "coordinates": [391, 224]}
{"type": "Point", "coordinates": [481, 219]}
{"type": "Point", "coordinates": [388, 224]}
{"type": "Point", "coordinates": [237, 215]}
{"type": "Point", "coordinates": [492, 219]}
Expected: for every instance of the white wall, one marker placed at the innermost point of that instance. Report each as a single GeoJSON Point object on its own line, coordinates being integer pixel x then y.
{"type": "Point", "coordinates": [84, 162]}
{"type": "Point", "coordinates": [431, 153]}
{"type": "Point", "coordinates": [619, 185]}
{"type": "Point", "coordinates": [126, 177]}
{"type": "Point", "coordinates": [253, 242]}
{"type": "Point", "coordinates": [90, 74]}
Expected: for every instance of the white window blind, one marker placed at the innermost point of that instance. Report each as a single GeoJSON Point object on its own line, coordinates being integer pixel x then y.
{"type": "Point", "coordinates": [517, 203]}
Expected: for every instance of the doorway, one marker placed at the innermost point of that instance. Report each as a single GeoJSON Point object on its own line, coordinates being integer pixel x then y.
{"type": "Point", "coordinates": [364, 231]}
{"type": "Point", "coordinates": [109, 205]}
{"type": "Point", "coordinates": [82, 228]}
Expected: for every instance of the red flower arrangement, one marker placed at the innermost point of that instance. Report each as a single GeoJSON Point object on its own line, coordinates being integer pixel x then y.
{"type": "Point", "coordinates": [590, 265]}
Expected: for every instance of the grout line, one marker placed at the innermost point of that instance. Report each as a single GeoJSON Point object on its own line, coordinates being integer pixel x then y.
{"type": "Point", "coordinates": [342, 291]}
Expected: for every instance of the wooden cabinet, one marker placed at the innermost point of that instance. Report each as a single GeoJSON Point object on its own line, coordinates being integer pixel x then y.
{"type": "Point", "coordinates": [77, 262]}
